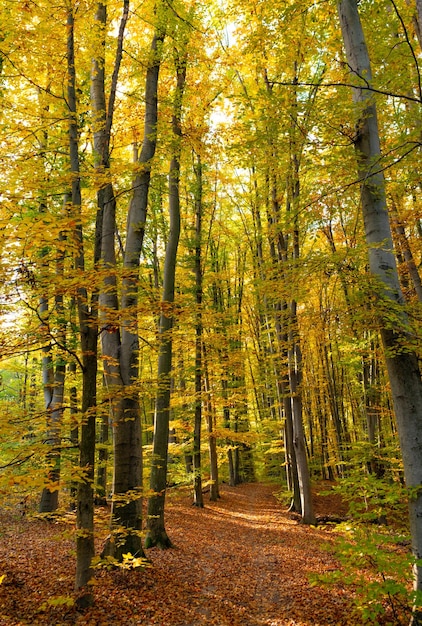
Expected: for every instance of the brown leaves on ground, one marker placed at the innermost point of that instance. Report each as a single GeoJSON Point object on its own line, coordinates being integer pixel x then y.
{"type": "Point", "coordinates": [241, 561]}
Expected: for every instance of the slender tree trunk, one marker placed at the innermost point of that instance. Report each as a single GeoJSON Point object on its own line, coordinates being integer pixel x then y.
{"type": "Point", "coordinates": [402, 363]}
{"type": "Point", "coordinates": [226, 415]}
{"type": "Point", "coordinates": [293, 430]}
{"type": "Point", "coordinates": [292, 472]}
{"type": "Point", "coordinates": [74, 430]}
{"type": "Point", "coordinates": [212, 440]}
{"type": "Point", "coordinates": [50, 494]}
{"type": "Point", "coordinates": [407, 252]}
{"type": "Point", "coordinates": [126, 514]}
{"type": "Point", "coordinates": [156, 534]}
{"type": "Point", "coordinates": [88, 329]}
{"type": "Point", "coordinates": [49, 499]}
{"type": "Point", "coordinates": [295, 379]}
{"type": "Point", "coordinates": [53, 373]}
{"type": "Point", "coordinates": [54, 391]}
{"type": "Point", "coordinates": [294, 347]}
{"type": "Point", "coordinates": [197, 478]}
{"type": "Point", "coordinates": [219, 307]}
{"type": "Point", "coordinates": [419, 21]}
{"type": "Point", "coordinates": [106, 221]}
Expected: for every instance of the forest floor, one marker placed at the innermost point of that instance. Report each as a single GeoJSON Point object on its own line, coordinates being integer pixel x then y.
{"type": "Point", "coordinates": [241, 561]}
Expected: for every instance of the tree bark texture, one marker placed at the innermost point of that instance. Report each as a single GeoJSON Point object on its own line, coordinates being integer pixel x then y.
{"type": "Point", "coordinates": [106, 218]}
{"type": "Point", "coordinates": [402, 363]}
{"type": "Point", "coordinates": [55, 375]}
{"type": "Point", "coordinates": [88, 329]}
{"type": "Point", "coordinates": [198, 499]}
{"type": "Point", "coordinates": [157, 535]}
{"type": "Point", "coordinates": [123, 340]}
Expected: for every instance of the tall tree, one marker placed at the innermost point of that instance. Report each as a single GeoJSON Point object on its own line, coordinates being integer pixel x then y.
{"type": "Point", "coordinates": [88, 330]}
{"type": "Point", "coordinates": [402, 362]}
{"type": "Point", "coordinates": [157, 535]}
{"type": "Point", "coordinates": [198, 499]}
{"type": "Point", "coordinates": [126, 511]}
{"type": "Point", "coordinates": [103, 114]}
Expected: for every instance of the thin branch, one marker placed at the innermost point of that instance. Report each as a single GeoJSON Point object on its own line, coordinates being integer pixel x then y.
{"type": "Point", "coordinates": [117, 63]}
{"type": "Point", "coordinates": [49, 333]}
{"type": "Point", "coordinates": [183, 19]}
{"type": "Point", "coordinates": [17, 461]}
{"type": "Point", "coordinates": [358, 181]}
{"type": "Point", "coordinates": [411, 48]}
{"type": "Point", "coordinates": [30, 81]}
{"type": "Point", "coordinates": [365, 87]}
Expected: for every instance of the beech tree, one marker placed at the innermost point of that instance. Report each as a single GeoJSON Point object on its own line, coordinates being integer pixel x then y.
{"type": "Point", "coordinates": [122, 345]}
{"type": "Point", "coordinates": [88, 329]}
{"type": "Point", "coordinates": [158, 481]}
{"type": "Point", "coordinates": [402, 362]}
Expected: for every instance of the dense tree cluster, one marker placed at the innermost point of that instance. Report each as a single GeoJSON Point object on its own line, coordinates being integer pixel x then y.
{"type": "Point", "coordinates": [211, 245]}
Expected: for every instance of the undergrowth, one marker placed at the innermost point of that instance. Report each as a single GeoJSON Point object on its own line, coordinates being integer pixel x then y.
{"type": "Point", "coordinates": [373, 548]}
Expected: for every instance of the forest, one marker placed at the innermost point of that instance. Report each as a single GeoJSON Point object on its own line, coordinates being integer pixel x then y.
{"type": "Point", "coordinates": [211, 251]}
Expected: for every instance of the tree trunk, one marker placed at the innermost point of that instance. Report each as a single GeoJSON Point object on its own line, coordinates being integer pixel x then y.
{"type": "Point", "coordinates": [106, 221]}
{"type": "Point", "coordinates": [295, 375]}
{"type": "Point", "coordinates": [74, 430]}
{"type": "Point", "coordinates": [156, 534]}
{"type": "Point", "coordinates": [55, 375]}
{"type": "Point", "coordinates": [197, 478]}
{"type": "Point", "coordinates": [408, 258]}
{"type": "Point", "coordinates": [402, 363]}
{"type": "Point", "coordinates": [287, 334]}
{"type": "Point", "coordinates": [88, 329]}
{"type": "Point", "coordinates": [212, 440]}
{"type": "Point", "coordinates": [419, 21]}
{"type": "Point", "coordinates": [291, 461]}
{"type": "Point", "coordinates": [126, 511]}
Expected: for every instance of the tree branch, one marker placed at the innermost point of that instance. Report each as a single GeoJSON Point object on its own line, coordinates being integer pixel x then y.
{"type": "Point", "coordinates": [411, 48]}
{"type": "Point", "coordinates": [365, 87]}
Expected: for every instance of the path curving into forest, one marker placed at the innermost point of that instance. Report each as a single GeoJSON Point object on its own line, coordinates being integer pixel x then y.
{"type": "Point", "coordinates": [241, 561]}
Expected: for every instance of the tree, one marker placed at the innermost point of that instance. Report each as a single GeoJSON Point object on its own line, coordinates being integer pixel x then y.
{"type": "Point", "coordinates": [88, 330]}
{"type": "Point", "coordinates": [123, 353]}
{"type": "Point", "coordinates": [103, 114]}
{"type": "Point", "coordinates": [157, 535]}
{"type": "Point", "coordinates": [401, 359]}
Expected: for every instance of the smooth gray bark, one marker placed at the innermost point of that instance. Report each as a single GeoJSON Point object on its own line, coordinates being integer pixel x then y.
{"type": "Point", "coordinates": [106, 216]}
{"type": "Point", "coordinates": [124, 342]}
{"type": "Point", "coordinates": [53, 367]}
{"type": "Point", "coordinates": [201, 370]}
{"type": "Point", "coordinates": [223, 352]}
{"type": "Point", "coordinates": [295, 379]}
{"type": "Point", "coordinates": [54, 375]}
{"type": "Point", "coordinates": [402, 363]}
{"type": "Point", "coordinates": [88, 330]}
{"type": "Point", "coordinates": [294, 347]}
{"type": "Point", "coordinates": [211, 425]}
{"type": "Point", "coordinates": [156, 533]}
{"type": "Point", "coordinates": [287, 333]}
{"type": "Point", "coordinates": [198, 499]}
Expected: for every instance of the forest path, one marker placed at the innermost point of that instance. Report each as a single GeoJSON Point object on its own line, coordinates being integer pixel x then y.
{"type": "Point", "coordinates": [241, 561]}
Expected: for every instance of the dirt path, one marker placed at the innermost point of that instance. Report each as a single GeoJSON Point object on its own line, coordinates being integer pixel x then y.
{"type": "Point", "coordinates": [241, 562]}
{"type": "Point", "coordinates": [248, 564]}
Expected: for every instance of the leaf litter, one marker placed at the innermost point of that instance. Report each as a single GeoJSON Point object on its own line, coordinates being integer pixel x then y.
{"type": "Point", "coordinates": [241, 561]}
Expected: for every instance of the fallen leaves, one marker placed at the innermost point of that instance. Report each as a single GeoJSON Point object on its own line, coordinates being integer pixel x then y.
{"type": "Point", "coordinates": [238, 562]}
